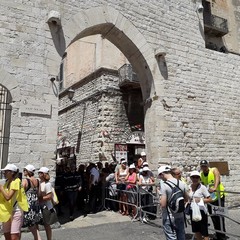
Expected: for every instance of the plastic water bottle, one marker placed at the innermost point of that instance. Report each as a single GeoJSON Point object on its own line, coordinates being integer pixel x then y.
{"type": "Point", "coordinates": [213, 196]}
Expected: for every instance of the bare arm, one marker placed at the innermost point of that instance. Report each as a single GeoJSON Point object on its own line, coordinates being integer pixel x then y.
{"type": "Point", "coordinates": [116, 176]}
{"type": "Point", "coordinates": [207, 200]}
{"type": "Point", "coordinates": [24, 184]}
{"type": "Point", "coordinates": [186, 196]}
{"type": "Point", "coordinates": [163, 201]}
{"type": "Point", "coordinates": [46, 197]}
{"type": "Point", "coordinates": [7, 195]}
{"type": "Point", "coordinates": [216, 180]}
{"type": "Point", "coordinates": [126, 178]}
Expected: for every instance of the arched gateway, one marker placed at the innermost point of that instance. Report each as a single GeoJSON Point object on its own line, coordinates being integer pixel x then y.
{"type": "Point", "coordinates": [113, 26]}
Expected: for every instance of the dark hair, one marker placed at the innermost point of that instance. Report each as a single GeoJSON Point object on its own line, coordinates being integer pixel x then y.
{"type": "Point", "coordinates": [30, 174]}
{"type": "Point", "coordinates": [46, 177]}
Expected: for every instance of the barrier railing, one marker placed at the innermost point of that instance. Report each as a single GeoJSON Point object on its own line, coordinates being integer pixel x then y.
{"type": "Point", "coordinates": [152, 207]}
{"type": "Point", "coordinates": [121, 197]}
{"type": "Point", "coordinates": [225, 214]}
{"type": "Point", "coordinates": [145, 202]}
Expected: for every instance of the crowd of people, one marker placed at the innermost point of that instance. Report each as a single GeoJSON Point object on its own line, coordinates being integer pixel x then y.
{"type": "Point", "coordinates": [204, 190]}
{"type": "Point", "coordinates": [202, 187]}
{"type": "Point", "coordinates": [28, 202]}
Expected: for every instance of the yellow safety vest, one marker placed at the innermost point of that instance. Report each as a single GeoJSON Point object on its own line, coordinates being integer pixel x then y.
{"type": "Point", "coordinates": [209, 181]}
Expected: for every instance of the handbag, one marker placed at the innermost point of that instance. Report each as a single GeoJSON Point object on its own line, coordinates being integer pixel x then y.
{"type": "Point", "coordinates": [49, 216]}
{"type": "Point", "coordinates": [196, 214]}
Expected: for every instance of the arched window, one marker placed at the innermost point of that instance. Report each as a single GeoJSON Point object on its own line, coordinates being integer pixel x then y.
{"type": "Point", "coordinates": [5, 120]}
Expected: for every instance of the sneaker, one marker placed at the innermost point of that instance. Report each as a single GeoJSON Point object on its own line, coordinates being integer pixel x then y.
{"type": "Point", "coordinates": [145, 220]}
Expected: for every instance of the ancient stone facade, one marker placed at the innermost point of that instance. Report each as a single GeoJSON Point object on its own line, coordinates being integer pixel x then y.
{"type": "Point", "coordinates": [190, 92]}
{"type": "Point", "coordinates": [107, 105]}
{"type": "Point", "coordinates": [99, 110]}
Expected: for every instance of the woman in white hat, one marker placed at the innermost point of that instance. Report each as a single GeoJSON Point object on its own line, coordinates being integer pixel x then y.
{"type": "Point", "coordinates": [120, 176]}
{"type": "Point", "coordinates": [34, 215]}
{"type": "Point", "coordinates": [14, 200]}
{"type": "Point", "coordinates": [45, 198]}
{"type": "Point", "coordinates": [200, 194]}
{"type": "Point", "coordinates": [145, 183]}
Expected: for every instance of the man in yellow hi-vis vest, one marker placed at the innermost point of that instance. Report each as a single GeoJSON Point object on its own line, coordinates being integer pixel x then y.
{"type": "Point", "coordinates": [210, 177]}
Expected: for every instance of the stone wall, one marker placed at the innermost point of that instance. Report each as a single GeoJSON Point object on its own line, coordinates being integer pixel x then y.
{"type": "Point", "coordinates": [25, 72]}
{"type": "Point", "coordinates": [97, 108]}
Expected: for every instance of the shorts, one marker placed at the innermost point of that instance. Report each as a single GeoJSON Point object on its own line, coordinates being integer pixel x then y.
{"type": "Point", "coordinates": [201, 226]}
{"type": "Point", "coordinates": [14, 224]}
{"type": "Point", "coordinates": [121, 186]}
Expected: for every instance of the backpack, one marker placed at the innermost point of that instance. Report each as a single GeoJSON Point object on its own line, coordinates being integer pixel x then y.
{"type": "Point", "coordinates": [176, 199]}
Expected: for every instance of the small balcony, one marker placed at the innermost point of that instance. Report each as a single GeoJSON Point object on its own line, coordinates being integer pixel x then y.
{"type": "Point", "coordinates": [127, 77]}
{"type": "Point", "coordinates": [215, 26]}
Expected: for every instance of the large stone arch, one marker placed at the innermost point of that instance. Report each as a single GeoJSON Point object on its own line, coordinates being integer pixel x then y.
{"type": "Point", "coordinates": [9, 82]}
{"type": "Point", "coordinates": [113, 26]}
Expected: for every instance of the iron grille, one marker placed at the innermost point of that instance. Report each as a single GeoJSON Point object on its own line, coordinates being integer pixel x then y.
{"type": "Point", "coordinates": [5, 117]}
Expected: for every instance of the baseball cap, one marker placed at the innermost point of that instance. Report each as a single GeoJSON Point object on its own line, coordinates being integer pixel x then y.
{"type": "Point", "coordinates": [43, 170]}
{"type": "Point", "coordinates": [204, 162]}
{"type": "Point", "coordinates": [143, 154]}
{"type": "Point", "coordinates": [30, 168]}
{"type": "Point", "coordinates": [145, 169]}
{"type": "Point", "coordinates": [194, 173]}
{"type": "Point", "coordinates": [132, 166]}
{"type": "Point", "coordinates": [145, 164]}
{"type": "Point", "coordinates": [10, 167]}
{"type": "Point", "coordinates": [164, 169]}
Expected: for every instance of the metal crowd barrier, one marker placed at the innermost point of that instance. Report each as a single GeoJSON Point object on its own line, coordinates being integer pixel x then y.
{"type": "Point", "coordinates": [227, 213]}
{"type": "Point", "coordinates": [137, 195]}
{"type": "Point", "coordinates": [230, 213]}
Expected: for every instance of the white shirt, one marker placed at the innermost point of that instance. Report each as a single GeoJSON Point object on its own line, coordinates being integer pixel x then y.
{"type": "Point", "coordinates": [46, 188]}
{"type": "Point", "coordinates": [201, 192]}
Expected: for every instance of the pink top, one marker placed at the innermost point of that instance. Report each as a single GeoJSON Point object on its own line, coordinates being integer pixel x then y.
{"type": "Point", "coordinates": [131, 179]}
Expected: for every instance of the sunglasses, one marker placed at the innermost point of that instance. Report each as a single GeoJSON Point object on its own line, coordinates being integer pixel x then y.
{"type": "Point", "coordinates": [195, 177]}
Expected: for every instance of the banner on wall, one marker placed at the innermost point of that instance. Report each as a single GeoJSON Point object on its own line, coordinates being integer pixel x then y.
{"type": "Point", "coordinates": [121, 151]}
